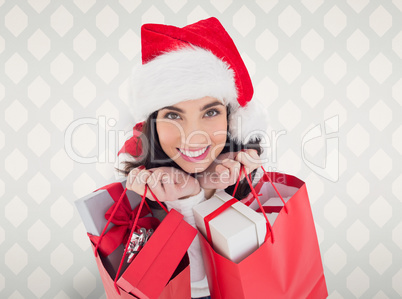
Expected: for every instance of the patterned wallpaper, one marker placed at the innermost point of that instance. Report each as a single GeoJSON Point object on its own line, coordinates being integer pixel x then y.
{"type": "Point", "coordinates": [329, 73]}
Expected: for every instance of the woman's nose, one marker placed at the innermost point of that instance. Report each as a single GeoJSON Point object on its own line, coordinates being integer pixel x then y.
{"type": "Point", "coordinates": [195, 135]}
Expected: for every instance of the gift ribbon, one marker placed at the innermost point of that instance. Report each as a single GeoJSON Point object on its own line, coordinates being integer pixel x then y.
{"type": "Point", "coordinates": [232, 201]}
{"type": "Point", "coordinates": [121, 215]}
{"type": "Point", "coordinates": [120, 212]}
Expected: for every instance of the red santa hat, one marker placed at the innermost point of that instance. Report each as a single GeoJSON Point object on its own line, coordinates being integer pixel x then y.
{"type": "Point", "coordinates": [198, 60]}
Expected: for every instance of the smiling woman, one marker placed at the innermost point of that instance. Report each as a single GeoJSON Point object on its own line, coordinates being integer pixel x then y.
{"type": "Point", "coordinates": [195, 134]}
{"type": "Point", "coordinates": [194, 93]}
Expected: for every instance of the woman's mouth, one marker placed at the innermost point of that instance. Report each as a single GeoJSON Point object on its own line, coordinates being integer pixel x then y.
{"type": "Point", "coordinates": [194, 155]}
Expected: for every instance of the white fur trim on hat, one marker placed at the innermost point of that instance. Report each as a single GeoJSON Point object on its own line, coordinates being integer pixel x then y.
{"type": "Point", "coordinates": [192, 73]}
{"type": "Point", "coordinates": [186, 74]}
{"type": "Point", "coordinates": [248, 123]}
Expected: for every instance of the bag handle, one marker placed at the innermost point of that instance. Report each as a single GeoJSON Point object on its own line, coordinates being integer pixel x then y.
{"type": "Point", "coordinates": [133, 229]}
{"type": "Point", "coordinates": [262, 209]}
{"type": "Point", "coordinates": [137, 216]}
{"type": "Point", "coordinates": [143, 201]}
{"type": "Point", "coordinates": [219, 210]}
{"type": "Point", "coordinates": [276, 190]}
{"type": "Point", "coordinates": [231, 202]}
{"type": "Point", "coordinates": [117, 204]}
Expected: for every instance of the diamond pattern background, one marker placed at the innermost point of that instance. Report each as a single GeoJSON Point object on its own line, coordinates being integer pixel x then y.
{"type": "Point", "coordinates": [63, 89]}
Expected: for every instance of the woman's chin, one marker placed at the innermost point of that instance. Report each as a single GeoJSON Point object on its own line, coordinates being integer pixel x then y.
{"type": "Point", "coordinates": [195, 168]}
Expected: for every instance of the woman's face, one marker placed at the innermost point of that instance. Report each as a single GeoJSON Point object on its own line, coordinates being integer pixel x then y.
{"type": "Point", "coordinates": [193, 133]}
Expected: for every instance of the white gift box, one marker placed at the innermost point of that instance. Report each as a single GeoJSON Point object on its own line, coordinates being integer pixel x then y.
{"type": "Point", "coordinates": [92, 209]}
{"type": "Point", "coordinates": [236, 232]}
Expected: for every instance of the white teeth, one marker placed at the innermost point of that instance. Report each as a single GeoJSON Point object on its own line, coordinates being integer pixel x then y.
{"type": "Point", "coordinates": [193, 154]}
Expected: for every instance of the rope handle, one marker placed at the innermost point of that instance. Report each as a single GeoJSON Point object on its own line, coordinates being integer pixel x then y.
{"type": "Point", "coordinates": [117, 206]}
{"type": "Point", "coordinates": [133, 229]}
{"type": "Point", "coordinates": [262, 209]}
{"type": "Point", "coordinates": [276, 190]}
{"type": "Point", "coordinates": [231, 202]}
{"type": "Point", "coordinates": [143, 201]}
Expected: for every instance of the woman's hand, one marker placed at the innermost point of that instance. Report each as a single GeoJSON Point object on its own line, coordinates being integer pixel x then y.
{"type": "Point", "coordinates": [167, 183]}
{"type": "Point", "coordinates": [224, 171]}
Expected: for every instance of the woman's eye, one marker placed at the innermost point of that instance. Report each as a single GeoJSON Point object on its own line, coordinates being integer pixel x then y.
{"type": "Point", "coordinates": [212, 112]}
{"type": "Point", "coordinates": [172, 115]}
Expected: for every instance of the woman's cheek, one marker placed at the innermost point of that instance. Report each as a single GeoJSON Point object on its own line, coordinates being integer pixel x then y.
{"type": "Point", "coordinates": [218, 130]}
{"type": "Point", "coordinates": [218, 136]}
{"type": "Point", "coordinates": [168, 135]}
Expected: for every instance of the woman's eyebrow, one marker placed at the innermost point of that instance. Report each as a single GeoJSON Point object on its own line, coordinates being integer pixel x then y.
{"type": "Point", "coordinates": [211, 105]}
{"type": "Point", "coordinates": [203, 108]}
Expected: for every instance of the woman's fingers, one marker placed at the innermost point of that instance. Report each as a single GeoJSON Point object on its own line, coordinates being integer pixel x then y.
{"type": "Point", "coordinates": [137, 176]}
{"type": "Point", "coordinates": [137, 179]}
{"type": "Point", "coordinates": [166, 183]}
{"type": "Point", "coordinates": [249, 159]}
{"type": "Point", "coordinates": [221, 169]}
{"type": "Point", "coordinates": [245, 159]}
{"type": "Point", "coordinates": [225, 172]}
{"type": "Point", "coordinates": [181, 185]}
{"type": "Point", "coordinates": [142, 177]}
{"type": "Point", "coordinates": [156, 182]}
{"type": "Point", "coordinates": [234, 170]}
{"type": "Point", "coordinates": [131, 177]}
{"type": "Point", "coordinates": [169, 183]}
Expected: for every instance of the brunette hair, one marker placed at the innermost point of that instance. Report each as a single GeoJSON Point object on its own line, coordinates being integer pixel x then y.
{"type": "Point", "coordinates": [153, 155]}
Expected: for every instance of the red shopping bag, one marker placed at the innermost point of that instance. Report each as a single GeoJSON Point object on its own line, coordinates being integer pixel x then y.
{"type": "Point", "coordinates": [161, 268]}
{"type": "Point", "coordinates": [287, 265]}
{"type": "Point", "coordinates": [179, 285]}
